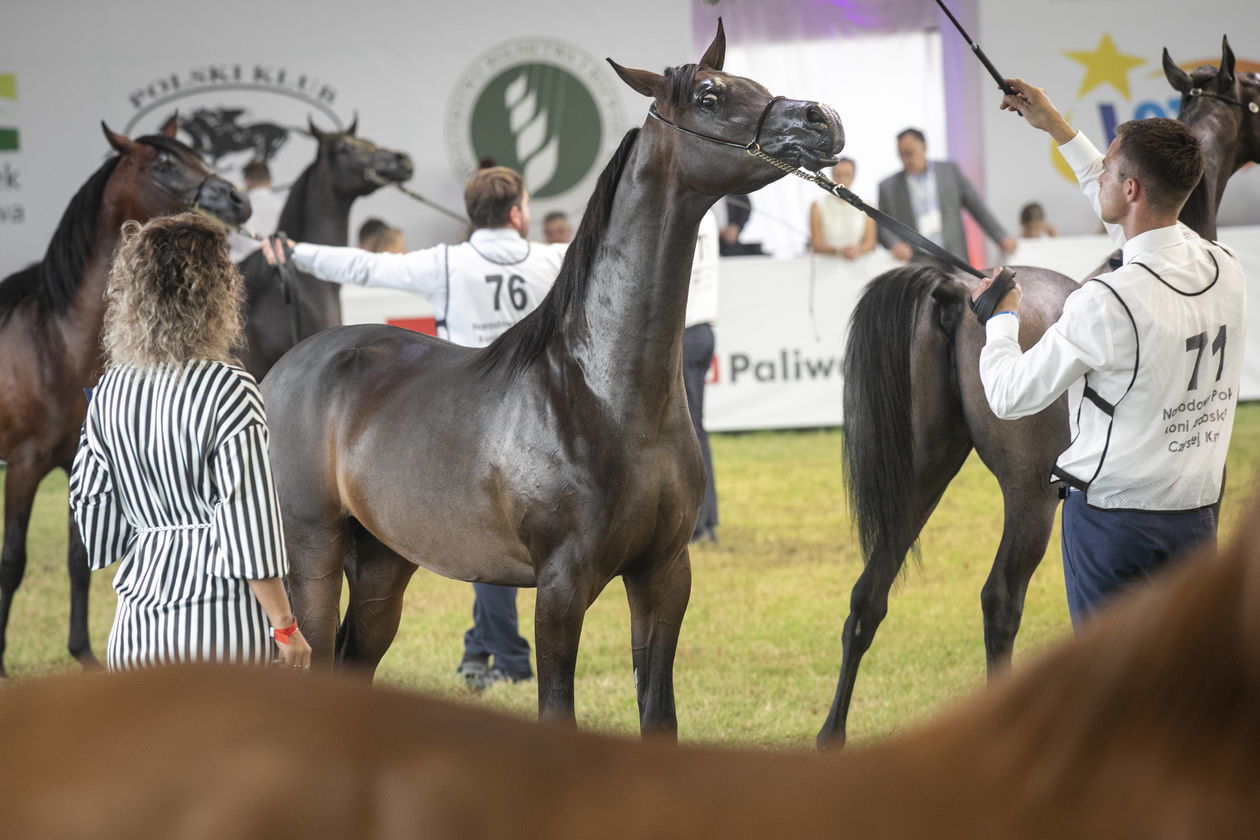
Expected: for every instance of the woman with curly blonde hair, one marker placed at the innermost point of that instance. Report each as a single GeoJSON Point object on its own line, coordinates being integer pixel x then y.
{"type": "Point", "coordinates": [172, 477]}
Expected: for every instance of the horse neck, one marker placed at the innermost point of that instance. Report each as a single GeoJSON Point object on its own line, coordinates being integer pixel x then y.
{"type": "Point", "coordinates": [1219, 141]}
{"type": "Point", "coordinates": [626, 335]}
{"type": "Point", "coordinates": [317, 213]}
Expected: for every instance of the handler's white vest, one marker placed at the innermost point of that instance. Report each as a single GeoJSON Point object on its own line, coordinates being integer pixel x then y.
{"type": "Point", "coordinates": [1155, 437]}
{"type": "Point", "coordinates": [490, 288]}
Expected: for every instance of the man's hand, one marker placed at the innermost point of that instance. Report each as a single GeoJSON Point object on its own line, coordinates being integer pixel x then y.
{"type": "Point", "coordinates": [1038, 110]}
{"type": "Point", "coordinates": [902, 251]}
{"type": "Point", "coordinates": [1007, 246]}
{"type": "Point", "coordinates": [274, 253]}
{"type": "Point", "coordinates": [1009, 302]}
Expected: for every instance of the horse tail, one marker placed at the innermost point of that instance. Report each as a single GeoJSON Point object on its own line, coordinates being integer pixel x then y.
{"type": "Point", "coordinates": [878, 456]}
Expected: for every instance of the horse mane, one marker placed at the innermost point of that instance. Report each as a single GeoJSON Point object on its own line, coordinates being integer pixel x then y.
{"type": "Point", "coordinates": [881, 332]}
{"type": "Point", "coordinates": [54, 282]}
{"type": "Point", "coordinates": [526, 339]}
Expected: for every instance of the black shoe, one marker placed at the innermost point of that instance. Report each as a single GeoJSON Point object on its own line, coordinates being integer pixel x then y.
{"type": "Point", "coordinates": [473, 670]}
{"type": "Point", "coordinates": [498, 675]}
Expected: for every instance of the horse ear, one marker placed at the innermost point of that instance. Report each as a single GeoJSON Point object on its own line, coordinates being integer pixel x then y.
{"type": "Point", "coordinates": [1227, 62]}
{"type": "Point", "coordinates": [121, 144]}
{"type": "Point", "coordinates": [644, 81]}
{"type": "Point", "coordinates": [354, 126]}
{"type": "Point", "coordinates": [315, 132]}
{"type": "Point", "coordinates": [1178, 78]}
{"type": "Point", "coordinates": [171, 126]}
{"type": "Point", "coordinates": [715, 55]}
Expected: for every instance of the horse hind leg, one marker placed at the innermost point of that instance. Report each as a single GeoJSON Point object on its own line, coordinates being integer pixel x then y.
{"type": "Point", "coordinates": [1028, 520]}
{"type": "Point", "coordinates": [868, 602]}
{"type": "Point", "coordinates": [658, 599]}
{"type": "Point", "coordinates": [377, 579]}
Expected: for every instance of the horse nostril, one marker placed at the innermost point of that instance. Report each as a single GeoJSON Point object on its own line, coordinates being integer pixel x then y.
{"type": "Point", "coordinates": [816, 115]}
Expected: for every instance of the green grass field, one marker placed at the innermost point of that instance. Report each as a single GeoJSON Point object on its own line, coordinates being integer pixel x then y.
{"type": "Point", "coordinates": [760, 646]}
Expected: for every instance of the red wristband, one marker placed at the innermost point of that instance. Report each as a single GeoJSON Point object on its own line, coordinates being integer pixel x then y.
{"type": "Point", "coordinates": [283, 634]}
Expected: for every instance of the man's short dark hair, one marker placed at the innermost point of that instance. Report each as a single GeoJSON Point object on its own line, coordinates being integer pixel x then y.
{"type": "Point", "coordinates": [1165, 158]}
{"type": "Point", "coordinates": [555, 215]}
{"type": "Point", "coordinates": [912, 132]}
{"type": "Point", "coordinates": [369, 231]}
{"type": "Point", "coordinates": [256, 171]}
{"type": "Point", "coordinates": [490, 196]}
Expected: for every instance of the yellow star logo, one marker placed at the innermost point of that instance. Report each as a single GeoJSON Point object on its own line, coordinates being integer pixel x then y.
{"type": "Point", "coordinates": [1105, 64]}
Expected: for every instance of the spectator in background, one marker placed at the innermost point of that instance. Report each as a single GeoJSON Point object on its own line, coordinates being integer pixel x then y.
{"type": "Point", "coordinates": [556, 229]}
{"type": "Point", "coordinates": [738, 209]}
{"type": "Point", "coordinates": [266, 202]}
{"type": "Point", "coordinates": [379, 238]}
{"type": "Point", "coordinates": [837, 227]}
{"type": "Point", "coordinates": [1032, 222]}
{"type": "Point", "coordinates": [370, 231]}
{"type": "Point", "coordinates": [702, 310]}
{"type": "Point", "coordinates": [930, 196]}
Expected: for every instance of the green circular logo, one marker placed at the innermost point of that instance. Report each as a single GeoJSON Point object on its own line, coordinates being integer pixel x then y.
{"type": "Point", "coordinates": [541, 107]}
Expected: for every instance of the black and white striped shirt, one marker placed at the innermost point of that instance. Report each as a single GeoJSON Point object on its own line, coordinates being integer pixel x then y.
{"type": "Point", "coordinates": [172, 479]}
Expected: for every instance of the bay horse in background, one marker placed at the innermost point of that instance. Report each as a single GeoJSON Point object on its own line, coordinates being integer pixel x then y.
{"type": "Point", "coordinates": [50, 334]}
{"type": "Point", "coordinates": [317, 210]}
{"type": "Point", "coordinates": [914, 406]}
{"type": "Point", "coordinates": [561, 455]}
{"type": "Point", "coordinates": [1144, 726]}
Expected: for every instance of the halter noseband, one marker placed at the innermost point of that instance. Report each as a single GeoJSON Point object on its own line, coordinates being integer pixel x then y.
{"type": "Point", "coordinates": [753, 147]}
{"type": "Point", "coordinates": [1250, 106]}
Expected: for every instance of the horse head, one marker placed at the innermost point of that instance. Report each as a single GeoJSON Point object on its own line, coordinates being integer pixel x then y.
{"type": "Point", "coordinates": [160, 175]}
{"type": "Point", "coordinates": [737, 115]}
{"type": "Point", "coordinates": [1222, 107]}
{"type": "Point", "coordinates": [357, 165]}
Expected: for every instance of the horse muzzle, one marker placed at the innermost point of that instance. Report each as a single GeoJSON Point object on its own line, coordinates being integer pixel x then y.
{"type": "Point", "coordinates": [224, 201]}
{"type": "Point", "coordinates": [814, 137]}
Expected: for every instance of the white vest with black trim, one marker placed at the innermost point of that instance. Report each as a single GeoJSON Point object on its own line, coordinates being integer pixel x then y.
{"type": "Point", "coordinates": [490, 288]}
{"type": "Point", "coordinates": [1155, 436]}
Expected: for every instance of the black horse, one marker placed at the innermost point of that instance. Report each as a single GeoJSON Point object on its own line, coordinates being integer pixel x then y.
{"type": "Point", "coordinates": [914, 407]}
{"type": "Point", "coordinates": [279, 315]}
{"type": "Point", "coordinates": [560, 456]}
{"type": "Point", "coordinates": [50, 336]}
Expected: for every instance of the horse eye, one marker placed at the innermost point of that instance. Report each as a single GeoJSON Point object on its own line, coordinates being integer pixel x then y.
{"type": "Point", "coordinates": [709, 100]}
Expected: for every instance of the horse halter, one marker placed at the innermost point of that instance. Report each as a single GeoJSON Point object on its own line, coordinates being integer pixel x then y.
{"type": "Point", "coordinates": [1250, 106]}
{"type": "Point", "coordinates": [753, 147]}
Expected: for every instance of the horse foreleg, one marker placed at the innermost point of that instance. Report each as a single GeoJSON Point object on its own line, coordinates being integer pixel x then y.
{"type": "Point", "coordinates": [317, 556]}
{"type": "Point", "coordinates": [560, 609]}
{"type": "Point", "coordinates": [658, 598]}
{"type": "Point", "coordinates": [1027, 523]}
{"type": "Point", "coordinates": [377, 580]}
{"type": "Point", "coordinates": [79, 643]}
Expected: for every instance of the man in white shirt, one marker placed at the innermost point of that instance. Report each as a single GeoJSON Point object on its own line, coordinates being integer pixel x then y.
{"type": "Point", "coordinates": [478, 289]}
{"type": "Point", "coordinates": [1150, 355]}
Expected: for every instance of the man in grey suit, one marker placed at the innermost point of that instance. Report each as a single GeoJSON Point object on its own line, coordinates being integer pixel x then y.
{"type": "Point", "coordinates": [929, 196]}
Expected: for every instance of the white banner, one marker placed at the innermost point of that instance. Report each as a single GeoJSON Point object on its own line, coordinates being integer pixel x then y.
{"type": "Point", "coordinates": [526, 84]}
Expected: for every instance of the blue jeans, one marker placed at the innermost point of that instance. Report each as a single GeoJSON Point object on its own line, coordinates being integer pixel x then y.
{"type": "Point", "coordinates": [496, 630]}
{"type": "Point", "coordinates": [1105, 551]}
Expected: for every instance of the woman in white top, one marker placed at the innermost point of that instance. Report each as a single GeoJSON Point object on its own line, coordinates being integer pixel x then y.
{"type": "Point", "coordinates": [837, 227]}
{"type": "Point", "coordinates": [172, 477]}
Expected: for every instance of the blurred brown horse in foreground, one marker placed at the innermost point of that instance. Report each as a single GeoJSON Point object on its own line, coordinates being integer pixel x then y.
{"type": "Point", "coordinates": [1144, 726]}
